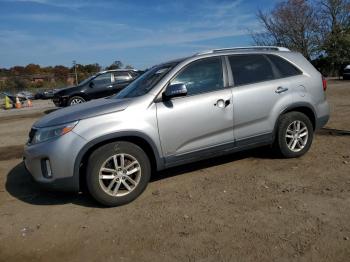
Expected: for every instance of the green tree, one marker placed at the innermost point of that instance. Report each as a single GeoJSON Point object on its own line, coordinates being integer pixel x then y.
{"type": "Point", "coordinates": [17, 70]}
{"type": "Point", "coordinates": [32, 69]}
{"type": "Point", "coordinates": [116, 65]}
{"type": "Point", "coordinates": [335, 27]}
{"type": "Point", "coordinates": [91, 68]}
{"type": "Point", "coordinates": [60, 72]}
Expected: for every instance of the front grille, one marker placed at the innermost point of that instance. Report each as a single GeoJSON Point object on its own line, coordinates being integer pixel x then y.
{"type": "Point", "coordinates": [31, 135]}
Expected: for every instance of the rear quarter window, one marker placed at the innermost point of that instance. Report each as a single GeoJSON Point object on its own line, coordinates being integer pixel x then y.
{"type": "Point", "coordinates": [285, 69]}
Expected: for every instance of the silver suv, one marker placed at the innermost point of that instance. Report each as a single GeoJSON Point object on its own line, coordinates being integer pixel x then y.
{"type": "Point", "coordinates": [212, 103]}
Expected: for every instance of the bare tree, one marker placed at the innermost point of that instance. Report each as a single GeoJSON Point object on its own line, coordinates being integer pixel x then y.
{"type": "Point", "coordinates": [293, 24]}
{"type": "Point", "coordinates": [334, 13]}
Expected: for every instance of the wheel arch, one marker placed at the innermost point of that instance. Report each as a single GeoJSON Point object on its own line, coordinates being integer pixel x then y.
{"type": "Point", "coordinates": [85, 96]}
{"type": "Point", "coordinates": [137, 138]}
{"type": "Point", "coordinates": [304, 108]}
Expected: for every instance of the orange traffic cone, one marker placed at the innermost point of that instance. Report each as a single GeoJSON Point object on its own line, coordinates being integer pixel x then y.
{"type": "Point", "coordinates": [18, 103]}
{"type": "Point", "coordinates": [29, 103]}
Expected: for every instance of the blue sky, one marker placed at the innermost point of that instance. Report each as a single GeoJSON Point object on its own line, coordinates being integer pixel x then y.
{"type": "Point", "coordinates": [140, 33]}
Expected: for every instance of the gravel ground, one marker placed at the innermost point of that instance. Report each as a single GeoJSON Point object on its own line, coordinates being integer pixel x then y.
{"type": "Point", "coordinates": [247, 206]}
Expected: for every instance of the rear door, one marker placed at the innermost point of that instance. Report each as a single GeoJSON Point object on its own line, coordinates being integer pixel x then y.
{"type": "Point", "coordinates": [204, 118]}
{"type": "Point", "coordinates": [258, 90]}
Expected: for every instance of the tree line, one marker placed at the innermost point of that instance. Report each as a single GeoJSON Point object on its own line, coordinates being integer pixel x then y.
{"type": "Point", "coordinates": [319, 29]}
{"type": "Point", "coordinates": [23, 77]}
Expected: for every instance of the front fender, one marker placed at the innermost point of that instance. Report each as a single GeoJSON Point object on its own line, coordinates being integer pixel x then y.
{"type": "Point", "coordinates": [113, 137]}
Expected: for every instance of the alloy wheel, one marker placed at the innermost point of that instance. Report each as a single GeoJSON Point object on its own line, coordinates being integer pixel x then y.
{"type": "Point", "coordinates": [119, 175]}
{"type": "Point", "coordinates": [76, 101]}
{"type": "Point", "coordinates": [296, 136]}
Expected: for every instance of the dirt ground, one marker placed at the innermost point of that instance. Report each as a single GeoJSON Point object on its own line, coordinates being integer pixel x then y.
{"type": "Point", "coordinates": [243, 207]}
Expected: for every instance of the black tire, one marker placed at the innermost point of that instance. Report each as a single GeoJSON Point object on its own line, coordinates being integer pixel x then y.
{"type": "Point", "coordinates": [75, 98]}
{"type": "Point", "coordinates": [281, 141]}
{"type": "Point", "coordinates": [98, 158]}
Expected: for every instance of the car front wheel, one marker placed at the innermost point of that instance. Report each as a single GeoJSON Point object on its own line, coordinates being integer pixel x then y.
{"type": "Point", "coordinates": [76, 100]}
{"type": "Point", "coordinates": [118, 173]}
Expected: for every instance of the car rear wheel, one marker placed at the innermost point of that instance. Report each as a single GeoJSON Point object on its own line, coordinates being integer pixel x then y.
{"type": "Point", "coordinates": [76, 100]}
{"type": "Point", "coordinates": [294, 134]}
{"type": "Point", "coordinates": [118, 173]}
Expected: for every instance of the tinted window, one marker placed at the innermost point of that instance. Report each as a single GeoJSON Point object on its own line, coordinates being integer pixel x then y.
{"type": "Point", "coordinates": [87, 80]}
{"type": "Point", "coordinates": [248, 69]}
{"type": "Point", "coordinates": [284, 67]}
{"type": "Point", "coordinates": [201, 76]}
{"type": "Point", "coordinates": [120, 77]}
{"type": "Point", "coordinates": [103, 80]}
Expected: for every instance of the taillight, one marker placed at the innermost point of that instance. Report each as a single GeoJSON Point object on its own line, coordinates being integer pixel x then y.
{"type": "Point", "coordinates": [324, 83]}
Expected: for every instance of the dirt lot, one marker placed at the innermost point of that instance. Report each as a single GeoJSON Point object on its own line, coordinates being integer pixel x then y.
{"type": "Point", "coordinates": [243, 207]}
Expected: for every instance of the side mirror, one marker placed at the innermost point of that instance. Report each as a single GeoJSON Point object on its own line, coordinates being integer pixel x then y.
{"type": "Point", "coordinates": [175, 90]}
{"type": "Point", "coordinates": [91, 84]}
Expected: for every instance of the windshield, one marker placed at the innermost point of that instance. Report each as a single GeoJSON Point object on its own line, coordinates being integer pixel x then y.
{"type": "Point", "coordinates": [87, 80]}
{"type": "Point", "coordinates": [146, 81]}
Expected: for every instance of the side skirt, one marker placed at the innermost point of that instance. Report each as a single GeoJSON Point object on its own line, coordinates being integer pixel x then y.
{"type": "Point", "coordinates": [232, 147]}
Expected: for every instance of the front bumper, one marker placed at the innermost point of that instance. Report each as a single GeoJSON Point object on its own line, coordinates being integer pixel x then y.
{"type": "Point", "coordinates": [61, 153]}
{"type": "Point", "coordinates": [60, 101]}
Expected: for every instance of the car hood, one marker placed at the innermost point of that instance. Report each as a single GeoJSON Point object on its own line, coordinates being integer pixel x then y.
{"type": "Point", "coordinates": [64, 90]}
{"type": "Point", "coordinates": [82, 111]}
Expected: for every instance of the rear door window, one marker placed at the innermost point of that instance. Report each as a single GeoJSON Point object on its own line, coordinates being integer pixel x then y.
{"type": "Point", "coordinates": [284, 68]}
{"type": "Point", "coordinates": [120, 77]}
{"type": "Point", "coordinates": [250, 68]}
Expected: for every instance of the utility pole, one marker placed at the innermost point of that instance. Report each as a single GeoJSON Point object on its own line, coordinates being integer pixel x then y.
{"type": "Point", "coordinates": [75, 72]}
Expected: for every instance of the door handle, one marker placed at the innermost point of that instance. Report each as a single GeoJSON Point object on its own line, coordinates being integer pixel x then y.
{"type": "Point", "coordinates": [281, 89]}
{"type": "Point", "coordinates": [110, 86]}
{"type": "Point", "coordinates": [221, 103]}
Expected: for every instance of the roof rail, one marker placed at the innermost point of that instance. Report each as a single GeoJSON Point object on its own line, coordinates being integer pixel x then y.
{"type": "Point", "coordinates": [273, 48]}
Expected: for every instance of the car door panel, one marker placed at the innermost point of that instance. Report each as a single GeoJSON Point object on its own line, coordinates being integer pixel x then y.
{"type": "Point", "coordinates": [192, 123]}
{"type": "Point", "coordinates": [254, 107]}
{"type": "Point", "coordinates": [102, 85]}
{"type": "Point", "coordinates": [203, 118]}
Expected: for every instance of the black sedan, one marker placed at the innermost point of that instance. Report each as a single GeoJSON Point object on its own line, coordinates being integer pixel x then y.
{"type": "Point", "coordinates": [102, 84]}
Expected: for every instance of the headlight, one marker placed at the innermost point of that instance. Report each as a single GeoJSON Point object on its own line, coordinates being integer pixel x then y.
{"type": "Point", "coordinates": [46, 133]}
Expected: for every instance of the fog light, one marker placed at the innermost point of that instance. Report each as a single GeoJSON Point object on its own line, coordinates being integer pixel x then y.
{"type": "Point", "coordinates": [46, 168]}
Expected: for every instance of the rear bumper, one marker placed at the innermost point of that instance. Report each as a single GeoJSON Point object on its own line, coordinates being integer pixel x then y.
{"type": "Point", "coordinates": [323, 113]}
{"type": "Point", "coordinates": [321, 121]}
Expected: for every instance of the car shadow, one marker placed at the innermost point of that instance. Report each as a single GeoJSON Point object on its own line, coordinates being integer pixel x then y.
{"type": "Point", "coordinates": [265, 152]}
{"type": "Point", "coordinates": [333, 132]}
{"type": "Point", "coordinates": [20, 184]}
{"type": "Point", "coordinates": [46, 112]}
